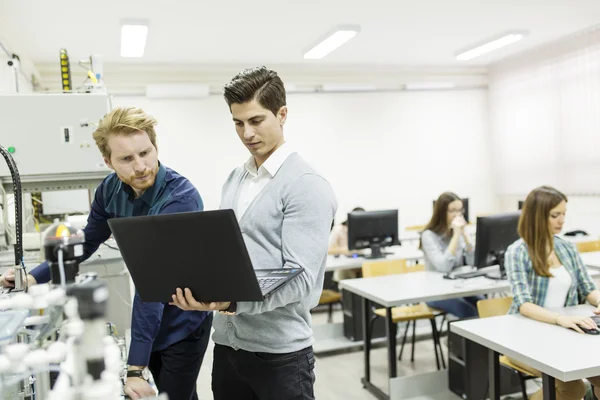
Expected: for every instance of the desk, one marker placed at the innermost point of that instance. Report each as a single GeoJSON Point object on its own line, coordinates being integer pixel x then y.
{"type": "Point", "coordinates": [577, 360]}
{"type": "Point", "coordinates": [399, 252]}
{"type": "Point", "coordinates": [395, 290]}
{"type": "Point", "coordinates": [591, 259]}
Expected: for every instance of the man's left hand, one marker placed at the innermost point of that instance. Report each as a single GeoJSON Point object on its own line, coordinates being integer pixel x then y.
{"type": "Point", "coordinates": [184, 300]}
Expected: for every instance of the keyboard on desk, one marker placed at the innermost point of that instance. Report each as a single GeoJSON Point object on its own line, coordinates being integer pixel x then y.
{"type": "Point", "coordinates": [472, 274]}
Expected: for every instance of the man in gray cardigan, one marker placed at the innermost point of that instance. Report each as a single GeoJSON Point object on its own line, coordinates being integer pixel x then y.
{"type": "Point", "coordinates": [263, 350]}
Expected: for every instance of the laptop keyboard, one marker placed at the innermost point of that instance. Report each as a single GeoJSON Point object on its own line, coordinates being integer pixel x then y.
{"type": "Point", "coordinates": [266, 283]}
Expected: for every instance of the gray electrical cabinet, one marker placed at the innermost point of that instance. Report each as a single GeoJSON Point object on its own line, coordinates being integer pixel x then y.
{"type": "Point", "coordinates": [51, 134]}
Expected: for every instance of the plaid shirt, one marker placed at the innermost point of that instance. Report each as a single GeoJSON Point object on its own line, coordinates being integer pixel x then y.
{"type": "Point", "coordinates": [528, 287]}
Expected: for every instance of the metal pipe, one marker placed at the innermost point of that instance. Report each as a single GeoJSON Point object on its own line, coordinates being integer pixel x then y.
{"type": "Point", "coordinates": [41, 385]}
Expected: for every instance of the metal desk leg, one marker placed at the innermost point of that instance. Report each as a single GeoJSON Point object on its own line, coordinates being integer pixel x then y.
{"type": "Point", "coordinates": [367, 338]}
{"type": "Point", "coordinates": [494, 375]}
{"type": "Point", "coordinates": [366, 381]}
{"type": "Point", "coordinates": [391, 343]}
{"type": "Point", "coordinates": [548, 387]}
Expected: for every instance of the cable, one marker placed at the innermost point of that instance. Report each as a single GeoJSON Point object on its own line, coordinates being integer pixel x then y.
{"type": "Point", "coordinates": [111, 247]}
{"type": "Point", "coordinates": [61, 267]}
{"type": "Point", "coordinates": [16, 182]}
{"type": "Point", "coordinates": [129, 305]}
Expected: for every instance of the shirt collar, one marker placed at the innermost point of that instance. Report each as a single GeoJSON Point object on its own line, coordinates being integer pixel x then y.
{"type": "Point", "coordinates": [273, 163]}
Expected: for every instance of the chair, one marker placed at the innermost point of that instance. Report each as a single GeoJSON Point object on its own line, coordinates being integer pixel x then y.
{"type": "Point", "coordinates": [419, 228]}
{"type": "Point", "coordinates": [330, 297]}
{"type": "Point", "coordinates": [409, 314]}
{"type": "Point", "coordinates": [500, 306]}
{"type": "Point", "coordinates": [586, 247]}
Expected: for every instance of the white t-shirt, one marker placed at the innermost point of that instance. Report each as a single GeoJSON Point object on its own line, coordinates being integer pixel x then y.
{"type": "Point", "coordinates": [558, 287]}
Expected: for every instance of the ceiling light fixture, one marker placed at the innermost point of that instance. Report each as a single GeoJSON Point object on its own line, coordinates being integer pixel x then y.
{"type": "Point", "coordinates": [334, 40]}
{"type": "Point", "coordinates": [133, 39]}
{"type": "Point", "coordinates": [490, 46]}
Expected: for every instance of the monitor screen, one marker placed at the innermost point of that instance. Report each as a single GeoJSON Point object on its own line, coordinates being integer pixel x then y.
{"type": "Point", "coordinates": [372, 229]}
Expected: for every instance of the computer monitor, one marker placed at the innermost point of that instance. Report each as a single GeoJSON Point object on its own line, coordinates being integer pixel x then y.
{"type": "Point", "coordinates": [465, 207]}
{"type": "Point", "coordinates": [373, 229]}
{"type": "Point", "coordinates": [494, 234]}
{"type": "Point", "coordinates": [521, 202]}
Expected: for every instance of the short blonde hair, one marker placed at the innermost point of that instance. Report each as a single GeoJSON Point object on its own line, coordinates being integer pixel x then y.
{"type": "Point", "coordinates": [123, 121]}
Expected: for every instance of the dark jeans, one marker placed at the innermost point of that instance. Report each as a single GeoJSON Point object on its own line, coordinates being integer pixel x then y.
{"type": "Point", "coordinates": [241, 375]}
{"type": "Point", "coordinates": [175, 369]}
{"type": "Point", "coordinates": [461, 308]}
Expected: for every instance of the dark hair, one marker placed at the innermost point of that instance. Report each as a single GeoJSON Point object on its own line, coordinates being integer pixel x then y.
{"type": "Point", "coordinates": [439, 219]}
{"type": "Point", "coordinates": [261, 84]}
{"type": "Point", "coordinates": [355, 209]}
{"type": "Point", "coordinates": [534, 227]}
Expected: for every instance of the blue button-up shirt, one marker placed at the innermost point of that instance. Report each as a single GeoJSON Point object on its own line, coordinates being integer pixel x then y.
{"type": "Point", "coordinates": [154, 326]}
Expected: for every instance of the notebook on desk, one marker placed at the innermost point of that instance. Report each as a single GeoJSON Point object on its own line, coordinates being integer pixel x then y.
{"type": "Point", "coordinates": [203, 251]}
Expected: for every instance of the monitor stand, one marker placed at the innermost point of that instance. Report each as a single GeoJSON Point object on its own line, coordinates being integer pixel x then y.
{"type": "Point", "coordinates": [502, 272]}
{"type": "Point", "coordinates": [375, 252]}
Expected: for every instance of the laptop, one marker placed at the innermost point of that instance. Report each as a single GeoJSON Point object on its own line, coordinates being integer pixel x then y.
{"type": "Point", "coordinates": [203, 251]}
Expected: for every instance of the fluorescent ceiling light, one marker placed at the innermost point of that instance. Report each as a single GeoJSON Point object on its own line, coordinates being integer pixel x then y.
{"type": "Point", "coordinates": [332, 42]}
{"type": "Point", "coordinates": [337, 87]}
{"type": "Point", "coordinates": [133, 40]}
{"type": "Point", "coordinates": [429, 85]}
{"type": "Point", "coordinates": [177, 90]}
{"type": "Point", "coordinates": [495, 44]}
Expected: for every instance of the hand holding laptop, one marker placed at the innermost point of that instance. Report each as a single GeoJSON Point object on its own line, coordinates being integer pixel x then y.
{"type": "Point", "coordinates": [184, 300]}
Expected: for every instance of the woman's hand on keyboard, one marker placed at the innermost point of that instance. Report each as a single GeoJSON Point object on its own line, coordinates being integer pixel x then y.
{"type": "Point", "coordinates": [576, 322]}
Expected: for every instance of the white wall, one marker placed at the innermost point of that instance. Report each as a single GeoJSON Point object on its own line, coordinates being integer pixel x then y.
{"type": "Point", "coordinates": [545, 125]}
{"type": "Point", "coordinates": [378, 150]}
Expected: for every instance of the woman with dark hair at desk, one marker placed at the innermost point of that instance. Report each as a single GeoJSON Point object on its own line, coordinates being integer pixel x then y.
{"type": "Point", "coordinates": [338, 245]}
{"type": "Point", "coordinates": [545, 272]}
{"type": "Point", "coordinates": [447, 246]}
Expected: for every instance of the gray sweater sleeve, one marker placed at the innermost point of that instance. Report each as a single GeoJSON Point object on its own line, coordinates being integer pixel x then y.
{"type": "Point", "coordinates": [309, 207]}
{"type": "Point", "coordinates": [439, 258]}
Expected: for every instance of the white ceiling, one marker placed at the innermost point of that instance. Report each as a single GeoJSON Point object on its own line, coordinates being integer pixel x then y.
{"type": "Point", "coordinates": [394, 32]}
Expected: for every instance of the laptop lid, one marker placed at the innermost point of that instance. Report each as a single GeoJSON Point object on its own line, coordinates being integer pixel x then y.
{"type": "Point", "coordinates": [203, 251]}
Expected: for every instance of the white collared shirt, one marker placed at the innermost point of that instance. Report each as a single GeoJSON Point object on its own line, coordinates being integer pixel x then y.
{"type": "Point", "coordinates": [256, 180]}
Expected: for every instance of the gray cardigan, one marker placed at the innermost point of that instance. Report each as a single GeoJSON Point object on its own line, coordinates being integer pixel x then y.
{"type": "Point", "coordinates": [286, 225]}
{"type": "Point", "coordinates": [438, 257]}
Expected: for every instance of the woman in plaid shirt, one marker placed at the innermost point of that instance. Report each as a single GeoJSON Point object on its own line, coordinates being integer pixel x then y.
{"type": "Point", "coordinates": [545, 271]}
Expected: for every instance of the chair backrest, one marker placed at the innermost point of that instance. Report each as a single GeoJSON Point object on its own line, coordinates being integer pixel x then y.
{"type": "Point", "coordinates": [419, 228]}
{"type": "Point", "coordinates": [383, 267]}
{"type": "Point", "coordinates": [494, 307]}
{"type": "Point", "coordinates": [414, 268]}
{"type": "Point", "coordinates": [584, 247]}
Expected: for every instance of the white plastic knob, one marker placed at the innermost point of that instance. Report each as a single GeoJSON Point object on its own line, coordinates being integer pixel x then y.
{"type": "Point", "coordinates": [21, 301]}
{"type": "Point", "coordinates": [37, 359]}
{"type": "Point", "coordinates": [57, 352]}
{"type": "Point", "coordinates": [4, 364]}
{"type": "Point", "coordinates": [39, 290]}
{"type": "Point", "coordinates": [16, 351]}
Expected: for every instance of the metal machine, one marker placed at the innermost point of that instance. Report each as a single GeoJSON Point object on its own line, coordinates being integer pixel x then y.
{"type": "Point", "coordinates": [49, 138]}
{"type": "Point", "coordinates": [55, 342]}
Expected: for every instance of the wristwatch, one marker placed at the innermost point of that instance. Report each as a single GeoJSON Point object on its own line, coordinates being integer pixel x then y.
{"type": "Point", "coordinates": [231, 309]}
{"type": "Point", "coordinates": [139, 373]}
